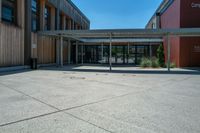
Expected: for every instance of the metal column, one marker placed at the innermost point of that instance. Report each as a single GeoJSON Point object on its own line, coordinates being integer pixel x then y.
{"type": "Point", "coordinates": [168, 53]}
{"type": "Point", "coordinates": [102, 53]}
{"type": "Point", "coordinates": [150, 50]}
{"type": "Point", "coordinates": [69, 51]}
{"type": "Point", "coordinates": [28, 38]}
{"type": "Point", "coordinates": [128, 53]}
{"type": "Point", "coordinates": [82, 54]}
{"type": "Point", "coordinates": [57, 28]}
{"type": "Point", "coordinates": [76, 52]}
{"type": "Point", "coordinates": [61, 51]}
{"type": "Point", "coordinates": [0, 9]}
{"type": "Point", "coordinates": [110, 59]}
{"type": "Point", "coordinates": [57, 52]}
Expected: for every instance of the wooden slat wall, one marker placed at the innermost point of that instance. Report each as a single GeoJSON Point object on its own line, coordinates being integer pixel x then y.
{"type": "Point", "coordinates": [11, 45]}
{"type": "Point", "coordinates": [46, 50]}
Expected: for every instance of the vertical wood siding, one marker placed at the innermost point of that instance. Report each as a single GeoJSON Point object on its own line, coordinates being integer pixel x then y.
{"type": "Point", "coordinates": [11, 46]}
{"type": "Point", "coordinates": [46, 50]}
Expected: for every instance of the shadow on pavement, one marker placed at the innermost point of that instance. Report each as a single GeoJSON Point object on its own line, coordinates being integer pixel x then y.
{"type": "Point", "coordinates": [14, 72]}
{"type": "Point", "coordinates": [116, 69]}
{"type": "Point", "coordinates": [78, 68]}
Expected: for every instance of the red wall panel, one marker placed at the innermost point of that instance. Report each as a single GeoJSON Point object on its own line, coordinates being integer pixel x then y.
{"type": "Point", "coordinates": [190, 16]}
{"type": "Point", "coordinates": [181, 14]}
{"type": "Point", "coordinates": [171, 19]}
{"type": "Point", "coordinates": [190, 52]}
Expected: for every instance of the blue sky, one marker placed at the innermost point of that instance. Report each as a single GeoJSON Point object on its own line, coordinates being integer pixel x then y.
{"type": "Point", "coordinates": [120, 14]}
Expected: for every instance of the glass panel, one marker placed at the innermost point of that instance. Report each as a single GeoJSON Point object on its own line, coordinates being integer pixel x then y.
{"type": "Point", "coordinates": [7, 14]}
{"type": "Point", "coordinates": [93, 54]}
{"type": "Point", "coordinates": [8, 7]}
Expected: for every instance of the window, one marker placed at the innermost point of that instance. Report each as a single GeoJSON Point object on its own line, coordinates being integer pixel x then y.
{"type": "Point", "coordinates": [34, 16]}
{"type": "Point", "coordinates": [47, 18]}
{"type": "Point", "coordinates": [8, 11]}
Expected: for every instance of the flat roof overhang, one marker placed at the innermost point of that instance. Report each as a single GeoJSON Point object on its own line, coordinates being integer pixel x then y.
{"type": "Point", "coordinates": [117, 33]}
{"type": "Point", "coordinates": [121, 35]}
{"type": "Point", "coordinates": [138, 35]}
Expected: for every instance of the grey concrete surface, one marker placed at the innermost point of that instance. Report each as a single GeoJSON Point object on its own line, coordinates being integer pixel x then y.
{"type": "Point", "coordinates": [70, 100]}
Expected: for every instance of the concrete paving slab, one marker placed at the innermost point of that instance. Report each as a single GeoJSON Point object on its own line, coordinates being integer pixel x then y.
{"type": "Point", "coordinates": [93, 101]}
{"type": "Point", "coordinates": [55, 123]}
{"type": "Point", "coordinates": [15, 106]}
{"type": "Point", "coordinates": [144, 112]}
{"type": "Point", "coordinates": [174, 107]}
{"type": "Point", "coordinates": [66, 90]}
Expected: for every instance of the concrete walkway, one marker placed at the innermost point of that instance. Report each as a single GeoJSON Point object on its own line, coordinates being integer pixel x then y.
{"type": "Point", "coordinates": [69, 100]}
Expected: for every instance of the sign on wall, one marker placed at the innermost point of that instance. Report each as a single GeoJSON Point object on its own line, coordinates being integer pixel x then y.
{"type": "Point", "coordinates": [195, 5]}
{"type": "Point", "coordinates": [196, 48]}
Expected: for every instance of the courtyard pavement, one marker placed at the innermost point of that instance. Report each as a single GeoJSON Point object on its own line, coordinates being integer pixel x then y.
{"type": "Point", "coordinates": [92, 100]}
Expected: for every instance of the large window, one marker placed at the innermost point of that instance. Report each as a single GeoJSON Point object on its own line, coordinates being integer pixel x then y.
{"type": "Point", "coordinates": [34, 16]}
{"type": "Point", "coordinates": [47, 18]}
{"type": "Point", "coordinates": [9, 11]}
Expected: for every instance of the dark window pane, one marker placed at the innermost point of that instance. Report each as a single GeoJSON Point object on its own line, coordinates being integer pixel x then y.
{"type": "Point", "coordinates": [8, 10]}
{"type": "Point", "coordinates": [34, 16]}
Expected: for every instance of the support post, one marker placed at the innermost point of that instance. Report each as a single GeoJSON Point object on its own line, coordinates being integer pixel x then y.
{"type": "Point", "coordinates": [69, 24]}
{"type": "Point", "coordinates": [53, 14]}
{"type": "Point", "coordinates": [61, 51]}
{"type": "Point", "coordinates": [150, 50]}
{"type": "Point", "coordinates": [110, 59]}
{"type": "Point", "coordinates": [102, 53]}
{"type": "Point", "coordinates": [42, 15]}
{"type": "Point", "coordinates": [69, 51]}
{"type": "Point", "coordinates": [57, 52]}
{"type": "Point", "coordinates": [63, 22]}
{"type": "Point", "coordinates": [82, 54]}
{"type": "Point", "coordinates": [168, 52]}
{"type": "Point", "coordinates": [128, 53]}
{"type": "Point", "coordinates": [76, 52]}
{"type": "Point", "coordinates": [57, 28]}
{"type": "Point", "coordinates": [0, 9]}
{"type": "Point", "coordinates": [28, 39]}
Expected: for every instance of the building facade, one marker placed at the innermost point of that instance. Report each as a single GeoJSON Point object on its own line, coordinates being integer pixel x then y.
{"type": "Point", "coordinates": [20, 21]}
{"type": "Point", "coordinates": [185, 51]}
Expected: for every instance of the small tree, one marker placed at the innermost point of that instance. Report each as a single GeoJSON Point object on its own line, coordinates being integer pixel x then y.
{"type": "Point", "coordinates": [161, 55]}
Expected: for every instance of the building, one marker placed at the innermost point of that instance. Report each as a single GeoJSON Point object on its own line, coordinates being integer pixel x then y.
{"type": "Point", "coordinates": [175, 14]}
{"type": "Point", "coordinates": [20, 21]}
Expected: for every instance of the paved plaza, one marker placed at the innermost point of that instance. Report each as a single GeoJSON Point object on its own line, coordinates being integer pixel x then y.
{"type": "Point", "coordinates": [94, 100]}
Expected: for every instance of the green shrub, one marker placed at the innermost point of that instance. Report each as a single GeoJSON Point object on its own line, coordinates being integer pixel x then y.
{"type": "Point", "coordinates": [161, 55]}
{"type": "Point", "coordinates": [155, 62]}
{"type": "Point", "coordinates": [150, 62]}
{"type": "Point", "coordinates": [145, 62]}
{"type": "Point", "coordinates": [172, 65]}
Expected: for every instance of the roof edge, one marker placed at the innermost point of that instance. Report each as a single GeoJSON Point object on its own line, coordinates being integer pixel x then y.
{"type": "Point", "coordinates": [162, 8]}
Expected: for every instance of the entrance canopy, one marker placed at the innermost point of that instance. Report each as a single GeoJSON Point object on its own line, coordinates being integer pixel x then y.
{"type": "Point", "coordinates": [122, 33]}
{"type": "Point", "coordinates": [148, 36]}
